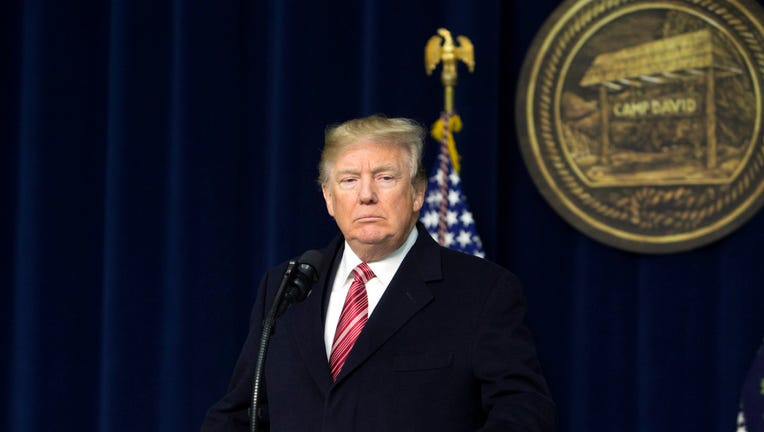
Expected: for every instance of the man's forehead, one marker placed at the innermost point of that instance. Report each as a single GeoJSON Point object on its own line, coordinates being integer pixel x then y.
{"type": "Point", "coordinates": [371, 154]}
{"type": "Point", "coordinates": [358, 165]}
{"type": "Point", "coordinates": [373, 145]}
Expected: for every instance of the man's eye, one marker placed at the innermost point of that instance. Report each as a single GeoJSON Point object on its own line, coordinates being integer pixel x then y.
{"type": "Point", "coordinates": [347, 183]}
{"type": "Point", "coordinates": [386, 179]}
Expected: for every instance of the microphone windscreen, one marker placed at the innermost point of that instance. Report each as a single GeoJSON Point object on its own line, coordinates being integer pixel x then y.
{"type": "Point", "coordinates": [312, 258]}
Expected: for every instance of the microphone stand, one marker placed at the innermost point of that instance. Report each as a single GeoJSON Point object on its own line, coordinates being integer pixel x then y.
{"type": "Point", "coordinates": [275, 311]}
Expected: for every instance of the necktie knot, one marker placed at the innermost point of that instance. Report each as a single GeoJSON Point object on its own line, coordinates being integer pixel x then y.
{"type": "Point", "coordinates": [363, 273]}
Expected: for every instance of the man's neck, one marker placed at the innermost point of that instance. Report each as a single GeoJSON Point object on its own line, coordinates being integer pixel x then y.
{"type": "Point", "coordinates": [375, 252]}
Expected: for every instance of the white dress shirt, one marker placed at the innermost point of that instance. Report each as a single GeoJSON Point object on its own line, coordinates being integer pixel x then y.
{"type": "Point", "coordinates": [384, 270]}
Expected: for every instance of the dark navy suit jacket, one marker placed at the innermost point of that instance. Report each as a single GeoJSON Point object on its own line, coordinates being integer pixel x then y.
{"type": "Point", "coordinates": [444, 350]}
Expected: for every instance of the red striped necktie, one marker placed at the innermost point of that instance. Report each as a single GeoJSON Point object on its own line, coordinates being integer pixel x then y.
{"type": "Point", "coordinates": [354, 314]}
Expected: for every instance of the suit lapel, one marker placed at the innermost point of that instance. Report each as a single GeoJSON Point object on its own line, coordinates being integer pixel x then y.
{"type": "Point", "coordinates": [307, 321]}
{"type": "Point", "coordinates": [406, 295]}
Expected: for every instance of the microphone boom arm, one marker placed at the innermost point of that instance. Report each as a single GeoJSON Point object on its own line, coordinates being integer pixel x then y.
{"type": "Point", "coordinates": [295, 286]}
{"type": "Point", "coordinates": [265, 337]}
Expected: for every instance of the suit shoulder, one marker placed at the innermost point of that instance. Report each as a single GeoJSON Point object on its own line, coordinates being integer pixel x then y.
{"type": "Point", "coordinates": [461, 262]}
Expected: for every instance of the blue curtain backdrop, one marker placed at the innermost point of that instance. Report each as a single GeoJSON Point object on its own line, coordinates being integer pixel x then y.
{"type": "Point", "coordinates": [156, 157]}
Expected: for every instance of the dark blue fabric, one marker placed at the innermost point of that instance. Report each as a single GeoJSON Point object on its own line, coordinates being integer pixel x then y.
{"type": "Point", "coordinates": [157, 157]}
{"type": "Point", "coordinates": [752, 403]}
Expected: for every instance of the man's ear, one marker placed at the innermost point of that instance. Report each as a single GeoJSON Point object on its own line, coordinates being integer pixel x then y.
{"type": "Point", "coordinates": [328, 199]}
{"type": "Point", "coordinates": [419, 190]}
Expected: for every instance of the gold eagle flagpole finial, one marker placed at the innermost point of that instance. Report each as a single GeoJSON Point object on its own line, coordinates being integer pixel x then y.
{"type": "Point", "coordinates": [449, 54]}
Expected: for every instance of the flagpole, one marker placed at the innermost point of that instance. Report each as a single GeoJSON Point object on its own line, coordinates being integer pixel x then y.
{"type": "Point", "coordinates": [441, 49]}
{"type": "Point", "coordinates": [445, 213]}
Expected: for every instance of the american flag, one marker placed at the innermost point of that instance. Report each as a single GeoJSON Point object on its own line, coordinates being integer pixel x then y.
{"type": "Point", "coordinates": [445, 212]}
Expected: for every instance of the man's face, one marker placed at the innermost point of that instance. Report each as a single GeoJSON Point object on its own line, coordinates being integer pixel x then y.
{"type": "Point", "coordinates": [370, 196]}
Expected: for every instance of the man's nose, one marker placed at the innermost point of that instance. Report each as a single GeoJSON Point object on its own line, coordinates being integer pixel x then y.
{"type": "Point", "coordinates": [367, 194]}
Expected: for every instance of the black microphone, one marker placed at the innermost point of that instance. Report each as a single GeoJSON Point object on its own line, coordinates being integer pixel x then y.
{"type": "Point", "coordinates": [305, 274]}
{"type": "Point", "coordinates": [298, 279]}
{"type": "Point", "coordinates": [295, 286]}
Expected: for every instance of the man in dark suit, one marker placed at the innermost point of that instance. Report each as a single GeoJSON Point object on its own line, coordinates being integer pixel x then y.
{"type": "Point", "coordinates": [399, 333]}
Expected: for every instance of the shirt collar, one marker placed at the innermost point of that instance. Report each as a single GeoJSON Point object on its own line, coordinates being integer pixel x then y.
{"type": "Point", "coordinates": [385, 268]}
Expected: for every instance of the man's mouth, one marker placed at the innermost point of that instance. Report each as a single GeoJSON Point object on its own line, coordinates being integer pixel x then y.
{"type": "Point", "coordinates": [368, 218]}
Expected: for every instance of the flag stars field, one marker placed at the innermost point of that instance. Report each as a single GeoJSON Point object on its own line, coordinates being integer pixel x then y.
{"type": "Point", "coordinates": [449, 212]}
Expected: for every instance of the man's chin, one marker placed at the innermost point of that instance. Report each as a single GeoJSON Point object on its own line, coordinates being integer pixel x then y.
{"type": "Point", "coordinates": [372, 240]}
{"type": "Point", "coordinates": [371, 237]}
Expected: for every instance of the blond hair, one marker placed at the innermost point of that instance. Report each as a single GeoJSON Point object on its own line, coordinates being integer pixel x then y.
{"type": "Point", "coordinates": [402, 132]}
